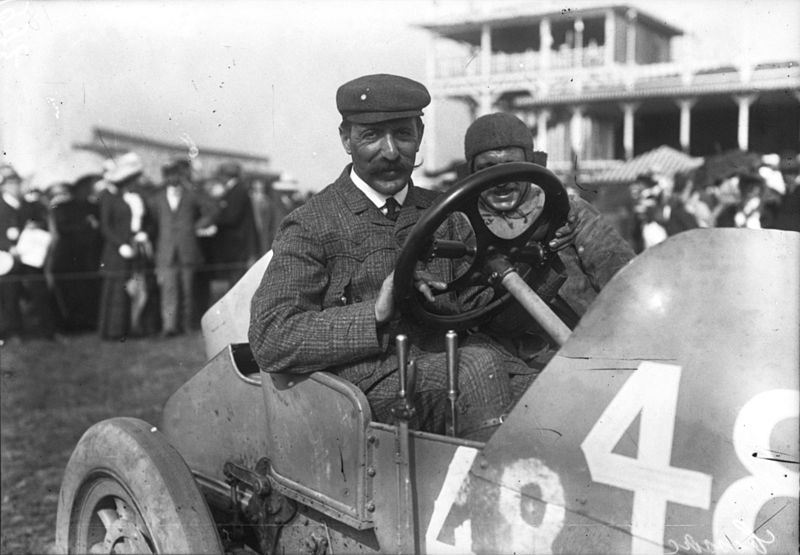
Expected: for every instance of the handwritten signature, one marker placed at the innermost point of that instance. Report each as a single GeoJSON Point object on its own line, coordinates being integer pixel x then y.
{"type": "Point", "coordinates": [751, 540]}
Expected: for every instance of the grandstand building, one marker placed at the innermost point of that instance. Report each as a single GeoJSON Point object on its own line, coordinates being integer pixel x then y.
{"type": "Point", "coordinates": [601, 85]}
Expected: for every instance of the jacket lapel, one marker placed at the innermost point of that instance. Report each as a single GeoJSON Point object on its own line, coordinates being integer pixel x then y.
{"type": "Point", "coordinates": [358, 203]}
{"type": "Point", "coordinates": [416, 203]}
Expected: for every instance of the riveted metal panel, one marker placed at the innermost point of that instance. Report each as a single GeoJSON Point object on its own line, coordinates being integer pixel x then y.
{"type": "Point", "coordinates": [316, 435]}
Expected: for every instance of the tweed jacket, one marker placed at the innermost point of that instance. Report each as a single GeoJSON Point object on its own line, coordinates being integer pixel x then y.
{"type": "Point", "coordinates": [176, 240]}
{"type": "Point", "coordinates": [314, 308]}
{"type": "Point", "coordinates": [596, 255]}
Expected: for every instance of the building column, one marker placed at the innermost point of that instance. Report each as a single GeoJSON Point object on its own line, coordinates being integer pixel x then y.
{"type": "Point", "coordinates": [629, 109]}
{"type": "Point", "coordinates": [545, 43]}
{"type": "Point", "coordinates": [630, 42]}
{"type": "Point", "coordinates": [541, 130]}
{"type": "Point", "coordinates": [486, 51]}
{"type": "Point", "coordinates": [797, 96]}
{"type": "Point", "coordinates": [430, 111]}
{"type": "Point", "coordinates": [744, 101]}
{"type": "Point", "coordinates": [486, 98]}
{"type": "Point", "coordinates": [577, 47]}
{"type": "Point", "coordinates": [686, 105]}
{"type": "Point", "coordinates": [576, 130]}
{"type": "Point", "coordinates": [610, 38]}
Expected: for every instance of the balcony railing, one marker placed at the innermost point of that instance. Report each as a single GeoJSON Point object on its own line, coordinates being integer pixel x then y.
{"type": "Point", "coordinates": [504, 63]}
{"type": "Point", "coordinates": [572, 71]}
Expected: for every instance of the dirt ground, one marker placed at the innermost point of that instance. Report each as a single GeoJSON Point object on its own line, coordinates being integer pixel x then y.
{"type": "Point", "coordinates": [51, 392]}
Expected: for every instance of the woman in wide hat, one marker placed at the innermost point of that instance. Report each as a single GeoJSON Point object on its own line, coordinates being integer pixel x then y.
{"type": "Point", "coordinates": [124, 226]}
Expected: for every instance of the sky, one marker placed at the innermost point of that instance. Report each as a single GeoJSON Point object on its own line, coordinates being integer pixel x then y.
{"type": "Point", "coordinates": [261, 77]}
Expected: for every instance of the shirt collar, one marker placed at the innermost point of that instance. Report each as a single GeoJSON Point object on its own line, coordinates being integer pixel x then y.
{"type": "Point", "coordinates": [376, 198]}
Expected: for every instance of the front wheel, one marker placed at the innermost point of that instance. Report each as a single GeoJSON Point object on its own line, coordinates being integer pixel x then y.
{"type": "Point", "coordinates": [127, 490]}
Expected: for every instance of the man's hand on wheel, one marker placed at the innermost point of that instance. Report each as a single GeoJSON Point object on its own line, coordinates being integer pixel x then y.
{"type": "Point", "coordinates": [424, 282]}
{"type": "Point", "coordinates": [565, 235]}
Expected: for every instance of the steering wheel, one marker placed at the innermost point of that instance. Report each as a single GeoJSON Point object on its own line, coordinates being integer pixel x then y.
{"type": "Point", "coordinates": [491, 256]}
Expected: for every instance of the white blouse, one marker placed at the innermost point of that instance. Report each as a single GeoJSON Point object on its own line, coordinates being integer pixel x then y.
{"type": "Point", "coordinates": [137, 210]}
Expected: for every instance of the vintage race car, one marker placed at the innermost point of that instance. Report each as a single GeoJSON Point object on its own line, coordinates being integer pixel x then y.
{"type": "Point", "coordinates": [666, 423]}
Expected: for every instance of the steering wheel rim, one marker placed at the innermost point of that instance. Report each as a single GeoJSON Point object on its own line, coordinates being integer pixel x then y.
{"type": "Point", "coordinates": [463, 198]}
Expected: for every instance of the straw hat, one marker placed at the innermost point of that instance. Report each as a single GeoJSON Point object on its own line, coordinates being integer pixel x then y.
{"type": "Point", "coordinates": [124, 167]}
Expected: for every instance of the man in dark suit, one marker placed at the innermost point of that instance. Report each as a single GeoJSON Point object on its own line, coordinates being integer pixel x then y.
{"type": "Point", "coordinates": [326, 299]}
{"type": "Point", "coordinates": [234, 245]}
{"type": "Point", "coordinates": [179, 212]}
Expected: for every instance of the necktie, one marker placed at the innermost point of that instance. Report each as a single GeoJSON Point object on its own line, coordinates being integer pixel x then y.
{"type": "Point", "coordinates": [392, 208]}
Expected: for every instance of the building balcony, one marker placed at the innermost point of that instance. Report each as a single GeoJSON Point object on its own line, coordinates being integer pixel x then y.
{"type": "Point", "coordinates": [503, 63]}
{"type": "Point", "coordinates": [571, 75]}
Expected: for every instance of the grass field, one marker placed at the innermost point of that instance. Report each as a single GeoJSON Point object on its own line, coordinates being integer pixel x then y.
{"type": "Point", "coordinates": [51, 392]}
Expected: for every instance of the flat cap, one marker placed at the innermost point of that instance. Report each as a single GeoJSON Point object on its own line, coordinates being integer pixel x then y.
{"type": "Point", "coordinates": [381, 97]}
{"type": "Point", "coordinates": [495, 131]}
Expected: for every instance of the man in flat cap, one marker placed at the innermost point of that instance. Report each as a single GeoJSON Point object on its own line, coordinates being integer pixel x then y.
{"type": "Point", "coordinates": [179, 213]}
{"type": "Point", "coordinates": [325, 302]}
{"type": "Point", "coordinates": [590, 249]}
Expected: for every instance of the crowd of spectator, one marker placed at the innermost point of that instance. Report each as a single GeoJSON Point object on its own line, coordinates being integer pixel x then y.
{"type": "Point", "coordinates": [738, 190]}
{"type": "Point", "coordinates": [115, 253]}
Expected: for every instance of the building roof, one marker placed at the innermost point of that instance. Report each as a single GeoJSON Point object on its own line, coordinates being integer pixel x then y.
{"type": "Point", "coordinates": [462, 25]}
{"type": "Point", "coordinates": [103, 134]}
{"type": "Point", "coordinates": [664, 160]}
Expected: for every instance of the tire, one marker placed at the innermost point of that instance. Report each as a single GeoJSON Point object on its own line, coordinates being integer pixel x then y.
{"type": "Point", "coordinates": [127, 490]}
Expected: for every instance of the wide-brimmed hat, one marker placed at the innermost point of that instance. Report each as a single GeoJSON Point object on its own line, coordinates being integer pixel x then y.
{"type": "Point", "coordinates": [8, 172]}
{"type": "Point", "coordinates": [87, 180]}
{"type": "Point", "coordinates": [124, 167]}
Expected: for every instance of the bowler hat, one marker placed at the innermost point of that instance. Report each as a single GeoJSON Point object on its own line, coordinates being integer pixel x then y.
{"type": "Point", "coordinates": [229, 169]}
{"type": "Point", "coordinates": [381, 97]}
{"type": "Point", "coordinates": [176, 166]}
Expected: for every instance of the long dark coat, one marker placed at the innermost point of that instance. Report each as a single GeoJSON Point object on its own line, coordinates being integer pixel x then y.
{"type": "Point", "coordinates": [75, 262]}
{"type": "Point", "coordinates": [115, 303]}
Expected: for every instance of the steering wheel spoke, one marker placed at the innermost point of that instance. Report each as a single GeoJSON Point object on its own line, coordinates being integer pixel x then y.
{"type": "Point", "coordinates": [448, 248]}
{"type": "Point", "coordinates": [470, 238]}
